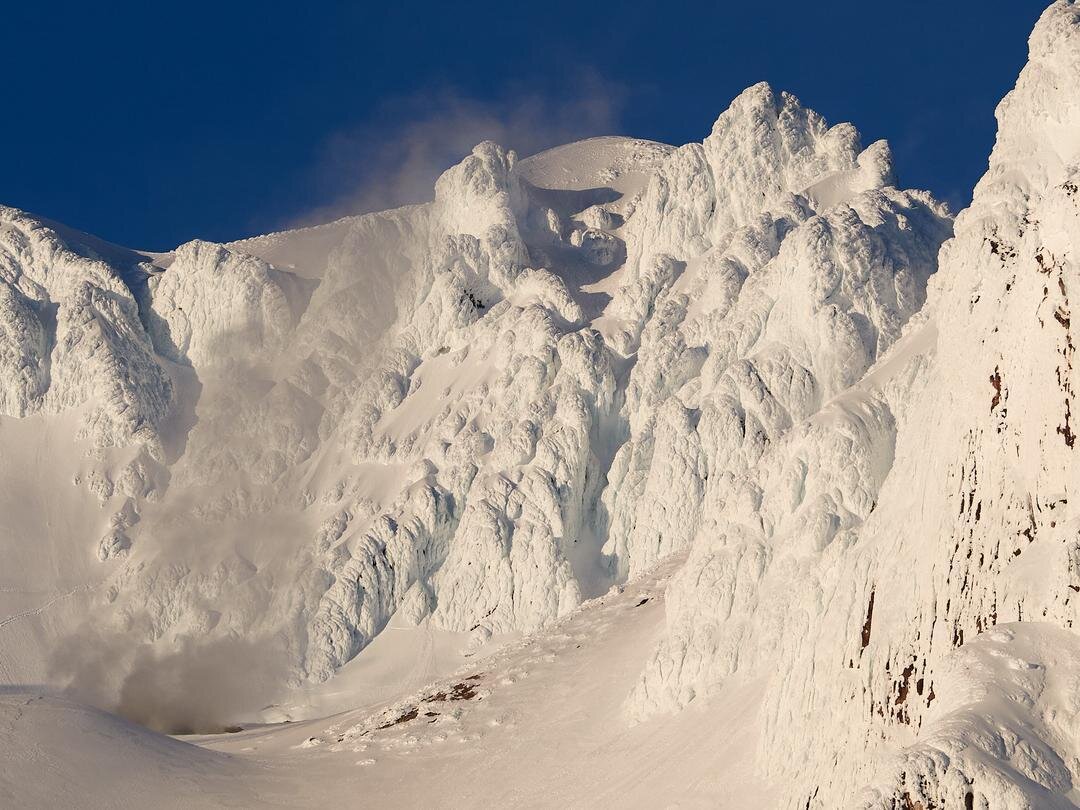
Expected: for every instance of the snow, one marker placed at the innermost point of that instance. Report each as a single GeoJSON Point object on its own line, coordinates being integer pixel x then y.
{"type": "Point", "coordinates": [553, 701]}
{"type": "Point", "coordinates": [919, 509]}
{"type": "Point", "coordinates": [57, 753]}
{"type": "Point", "coordinates": [730, 474]}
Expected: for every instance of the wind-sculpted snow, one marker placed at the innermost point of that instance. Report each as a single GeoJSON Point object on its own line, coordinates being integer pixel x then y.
{"type": "Point", "coordinates": [861, 563]}
{"type": "Point", "coordinates": [761, 150]}
{"type": "Point", "coordinates": [752, 341]}
{"type": "Point", "coordinates": [213, 306]}
{"type": "Point", "coordinates": [484, 409]}
{"type": "Point", "coordinates": [72, 336]}
{"type": "Point", "coordinates": [24, 358]}
{"type": "Point", "coordinates": [478, 413]}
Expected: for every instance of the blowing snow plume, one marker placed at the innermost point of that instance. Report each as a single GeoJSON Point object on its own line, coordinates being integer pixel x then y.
{"type": "Point", "coordinates": [396, 159]}
{"type": "Point", "coordinates": [195, 687]}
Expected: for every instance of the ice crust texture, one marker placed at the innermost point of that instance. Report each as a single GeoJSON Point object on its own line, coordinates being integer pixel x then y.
{"type": "Point", "coordinates": [564, 369]}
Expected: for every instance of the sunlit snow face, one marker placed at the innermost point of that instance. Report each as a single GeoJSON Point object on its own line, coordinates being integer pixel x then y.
{"type": "Point", "coordinates": [417, 434]}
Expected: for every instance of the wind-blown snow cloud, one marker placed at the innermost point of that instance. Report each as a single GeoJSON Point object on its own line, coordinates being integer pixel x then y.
{"type": "Point", "coordinates": [196, 686]}
{"type": "Point", "coordinates": [396, 159]}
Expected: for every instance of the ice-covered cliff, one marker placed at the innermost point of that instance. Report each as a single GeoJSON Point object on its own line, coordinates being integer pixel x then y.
{"type": "Point", "coordinates": [901, 566]}
{"type": "Point", "coordinates": [481, 409]}
{"type": "Point", "coordinates": [476, 413]}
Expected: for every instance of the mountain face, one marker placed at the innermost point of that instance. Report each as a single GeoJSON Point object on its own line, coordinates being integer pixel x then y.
{"type": "Point", "coordinates": [757, 354]}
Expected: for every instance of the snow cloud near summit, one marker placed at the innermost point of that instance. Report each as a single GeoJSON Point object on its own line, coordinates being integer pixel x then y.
{"type": "Point", "coordinates": [395, 159]}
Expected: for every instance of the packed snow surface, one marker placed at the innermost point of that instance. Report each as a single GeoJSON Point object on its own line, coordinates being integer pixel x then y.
{"type": "Point", "coordinates": [732, 474]}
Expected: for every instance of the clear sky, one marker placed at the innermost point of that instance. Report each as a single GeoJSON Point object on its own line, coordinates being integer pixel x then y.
{"type": "Point", "coordinates": [153, 123]}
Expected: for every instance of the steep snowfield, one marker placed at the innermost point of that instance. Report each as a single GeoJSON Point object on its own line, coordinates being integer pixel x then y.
{"type": "Point", "coordinates": [323, 469]}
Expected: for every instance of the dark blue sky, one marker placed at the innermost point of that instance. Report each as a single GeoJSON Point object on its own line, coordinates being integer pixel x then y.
{"type": "Point", "coordinates": [153, 123]}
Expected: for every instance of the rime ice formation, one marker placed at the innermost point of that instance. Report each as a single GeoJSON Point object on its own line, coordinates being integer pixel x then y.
{"type": "Point", "coordinates": [72, 334]}
{"type": "Point", "coordinates": [757, 353]}
{"type": "Point", "coordinates": [875, 546]}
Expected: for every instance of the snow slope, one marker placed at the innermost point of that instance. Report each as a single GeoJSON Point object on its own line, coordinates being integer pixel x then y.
{"type": "Point", "coordinates": [552, 701]}
{"type": "Point", "coordinates": [323, 469]}
{"type": "Point", "coordinates": [56, 753]}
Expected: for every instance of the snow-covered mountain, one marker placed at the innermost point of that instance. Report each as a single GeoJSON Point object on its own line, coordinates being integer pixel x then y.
{"type": "Point", "coordinates": [268, 472]}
